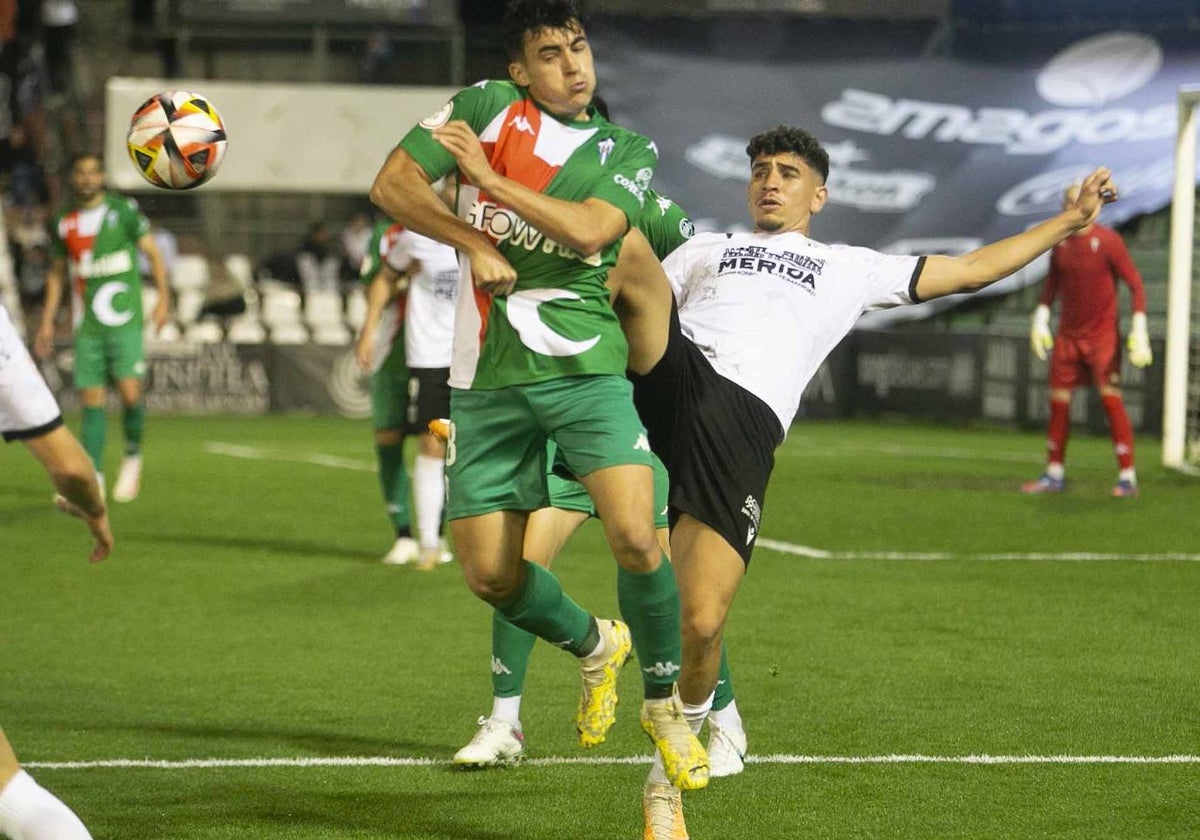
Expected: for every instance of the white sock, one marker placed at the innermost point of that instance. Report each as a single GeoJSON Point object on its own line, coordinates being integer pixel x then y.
{"type": "Point", "coordinates": [729, 718]}
{"type": "Point", "coordinates": [507, 709]}
{"type": "Point", "coordinates": [695, 715]}
{"type": "Point", "coordinates": [30, 812]}
{"type": "Point", "coordinates": [1129, 475]}
{"type": "Point", "coordinates": [1056, 470]}
{"type": "Point", "coordinates": [428, 497]}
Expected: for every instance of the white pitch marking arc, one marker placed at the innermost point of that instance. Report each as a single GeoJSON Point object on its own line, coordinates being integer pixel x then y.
{"type": "Point", "coordinates": [777, 758]}
{"type": "Point", "coordinates": [256, 453]}
{"type": "Point", "coordinates": [1033, 556]}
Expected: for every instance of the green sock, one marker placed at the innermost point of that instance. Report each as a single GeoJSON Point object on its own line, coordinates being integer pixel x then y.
{"type": "Point", "coordinates": [511, 647]}
{"type": "Point", "coordinates": [393, 480]}
{"type": "Point", "coordinates": [91, 434]}
{"type": "Point", "coordinates": [650, 606]}
{"type": "Point", "coordinates": [543, 609]}
{"type": "Point", "coordinates": [134, 422]}
{"type": "Point", "coordinates": [724, 693]}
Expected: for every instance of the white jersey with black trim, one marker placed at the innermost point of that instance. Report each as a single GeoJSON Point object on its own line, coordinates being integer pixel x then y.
{"type": "Point", "coordinates": [432, 293]}
{"type": "Point", "coordinates": [766, 309]}
{"type": "Point", "coordinates": [27, 408]}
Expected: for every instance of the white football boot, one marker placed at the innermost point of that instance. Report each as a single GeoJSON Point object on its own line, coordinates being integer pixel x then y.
{"type": "Point", "coordinates": [726, 751]}
{"type": "Point", "coordinates": [496, 744]}
{"type": "Point", "coordinates": [404, 551]}
{"type": "Point", "coordinates": [129, 479]}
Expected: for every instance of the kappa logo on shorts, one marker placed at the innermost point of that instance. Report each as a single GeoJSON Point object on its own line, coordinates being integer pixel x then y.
{"type": "Point", "coordinates": [642, 443]}
{"type": "Point", "coordinates": [753, 510]}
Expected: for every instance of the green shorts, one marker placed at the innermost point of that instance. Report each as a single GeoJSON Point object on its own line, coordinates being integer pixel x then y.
{"type": "Point", "coordinates": [389, 391]}
{"type": "Point", "coordinates": [496, 457]}
{"type": "Point", "coordinates": [569, 494]}
{"type": "Point", "coordinates": [111, 355]}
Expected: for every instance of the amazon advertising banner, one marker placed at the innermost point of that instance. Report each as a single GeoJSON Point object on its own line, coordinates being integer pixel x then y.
{"type": "Point", "coordinates": [928, 154]}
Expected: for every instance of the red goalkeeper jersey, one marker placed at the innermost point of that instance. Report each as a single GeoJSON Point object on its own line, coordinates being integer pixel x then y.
{"type": "Point", "coordinates": [1083, 274]}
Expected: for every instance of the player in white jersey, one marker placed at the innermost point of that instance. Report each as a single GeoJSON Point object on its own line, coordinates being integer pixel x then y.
{"type": "Point", "coordinates": [28, 413]}
{"type": "Point", "coordinates": [723, 338]}
{"type": "Point", "coordinates": [432, 271]}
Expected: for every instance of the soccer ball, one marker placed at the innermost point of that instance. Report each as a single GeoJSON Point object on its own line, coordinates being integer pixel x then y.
{"type": "Point", "coordinates": [176, 140]}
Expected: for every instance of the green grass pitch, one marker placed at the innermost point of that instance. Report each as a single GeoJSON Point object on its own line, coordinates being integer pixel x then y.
{"type": "Point", "coordinates": [245, 615]}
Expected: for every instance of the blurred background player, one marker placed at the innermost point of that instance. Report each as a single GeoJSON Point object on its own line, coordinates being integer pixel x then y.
{"type": "Point", "coordinates": [406, 341]}
{"type": "Point", "coordinates": [380, 350]}
{"type": "Point", "coordinates": [1084, 270]}
{"type": "Point", "coordinates": [501, 739]}
{"type": "Point", "coordinates": [539, 354]}
{"type": "Point", "coordinates": [96, 245]}
{"type": "Point", "coordinates": [432, 272]}
{"type": "Point", "coordinates": [28, 413]}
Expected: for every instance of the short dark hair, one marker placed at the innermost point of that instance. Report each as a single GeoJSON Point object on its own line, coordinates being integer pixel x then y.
{"type": "Point", "coordinates": [527, 16]}
{"type": "Point", "coordinates": [784, 138]}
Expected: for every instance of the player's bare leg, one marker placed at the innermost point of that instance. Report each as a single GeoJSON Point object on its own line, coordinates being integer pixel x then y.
{"type": "Point", "coordinates": [642, 300]}
{"type": "Point", "coordinates": [490, 547]}
{"type": "Point", "coordinates": [133, 420]}
{"type": "Point", "coordinates": [649, 599]}
{"type": "Point", "coordinates": [500, 738]}
{"type": "Point", "coordinates": [29, 811]}
{"type": "Point", "coordinates": [1059, 429]}
{"type": "Point", "coordinates": [1122, 437]}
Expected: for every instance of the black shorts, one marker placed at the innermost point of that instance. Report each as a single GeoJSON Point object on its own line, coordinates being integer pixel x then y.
{"type": "Point", "coordinates": [716, 439]}
{"type": "Point", "coordinates": [428, 398]}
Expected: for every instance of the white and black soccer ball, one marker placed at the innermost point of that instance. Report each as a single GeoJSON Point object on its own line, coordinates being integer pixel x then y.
{"type": "Point", "coordinates": [176, 140]}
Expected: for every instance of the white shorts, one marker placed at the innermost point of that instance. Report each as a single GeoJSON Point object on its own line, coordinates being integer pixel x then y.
{"type": "Point", "coordinates": [27, 408]}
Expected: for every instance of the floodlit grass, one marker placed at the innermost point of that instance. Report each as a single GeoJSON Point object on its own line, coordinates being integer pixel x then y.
{"type": "Point", "coordinates": [245, 615]}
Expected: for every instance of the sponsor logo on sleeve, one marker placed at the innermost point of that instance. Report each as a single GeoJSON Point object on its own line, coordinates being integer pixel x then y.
{"type": "Point", "coordinates": [440, 118]}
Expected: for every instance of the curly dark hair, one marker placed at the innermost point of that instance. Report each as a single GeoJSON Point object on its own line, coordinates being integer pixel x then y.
{"type": "Point", "coordinates": [525, 16]}
{"type": "Point", "coordinates": [784, 138]}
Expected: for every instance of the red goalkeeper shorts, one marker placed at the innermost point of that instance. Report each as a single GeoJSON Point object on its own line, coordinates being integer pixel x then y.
{"type": "Point", "coordinates": [1081, 361]}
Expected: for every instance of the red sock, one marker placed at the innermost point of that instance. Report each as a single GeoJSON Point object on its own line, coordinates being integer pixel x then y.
{"type": "Point", "coordinates": [1122, 432]}
{"type": "Point", "coordinates": [1060, 427]}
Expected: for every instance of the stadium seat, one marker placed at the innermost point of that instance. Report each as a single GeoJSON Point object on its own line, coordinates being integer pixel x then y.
{"type": "Point", "coordinates": [289, 333]}
{"type": "Point", "coordinates": [204, 331]}
{"type": "Point", "coordinates": [190, 272]}
{"type": "Point", "coordinates": [280, 306]}
{"type": "Point", "coordinates": [323, 315]}
{"type": "Point", "coordinates": [188, 304]}
{"type": "Point", "coordinates": [246, 329]}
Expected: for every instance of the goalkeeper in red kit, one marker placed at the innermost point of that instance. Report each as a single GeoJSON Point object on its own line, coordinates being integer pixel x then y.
{"type": "Point", "coordinates": [1084, 269]}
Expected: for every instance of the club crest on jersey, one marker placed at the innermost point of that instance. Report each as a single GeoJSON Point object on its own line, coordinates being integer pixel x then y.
{"type": "Point", "coordinates": [605, 148]}
{"type": "Point", "coordinates": [798, 269]}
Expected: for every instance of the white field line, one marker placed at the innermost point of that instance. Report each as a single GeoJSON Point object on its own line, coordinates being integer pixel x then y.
{"type": "Point", "coordinates": [256, 453]}
{"type": "Point", "coordinates": [1033, 556]}
{"type": "Point", "coordinates": [386, 761]}
{"type": "Point", "coordinates": [838, 450]}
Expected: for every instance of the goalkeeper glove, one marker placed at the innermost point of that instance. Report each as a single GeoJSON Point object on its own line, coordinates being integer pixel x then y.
{"type": "Point", "coordinates": [1040, 338]}
{"type": "Point", "coordinates": [1139, 342]}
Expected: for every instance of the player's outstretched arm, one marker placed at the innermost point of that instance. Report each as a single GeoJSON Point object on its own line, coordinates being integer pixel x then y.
{"type": "Point", "coordinates": [402, 190]}
{"type": "Point", "coordinates": [43, 341]}
{"type": "Point", "coordinates": [641, 297]}
{"type": "Point", "coordinates": [158, 273]}
{"type": "Point", "coordinates": [586, 226]}
{"type": "Point", "coordinates": [970, 272]}
{"type": "Point", "coordinates": [74, 477]}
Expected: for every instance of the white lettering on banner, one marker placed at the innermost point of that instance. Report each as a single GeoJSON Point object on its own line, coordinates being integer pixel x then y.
{"type": "Point", "coordinates": [1018, 131]}
{"type": "Point", "coordinates": [1043, 193]}
{"type": "Point", "coordinates": [893, 192]}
